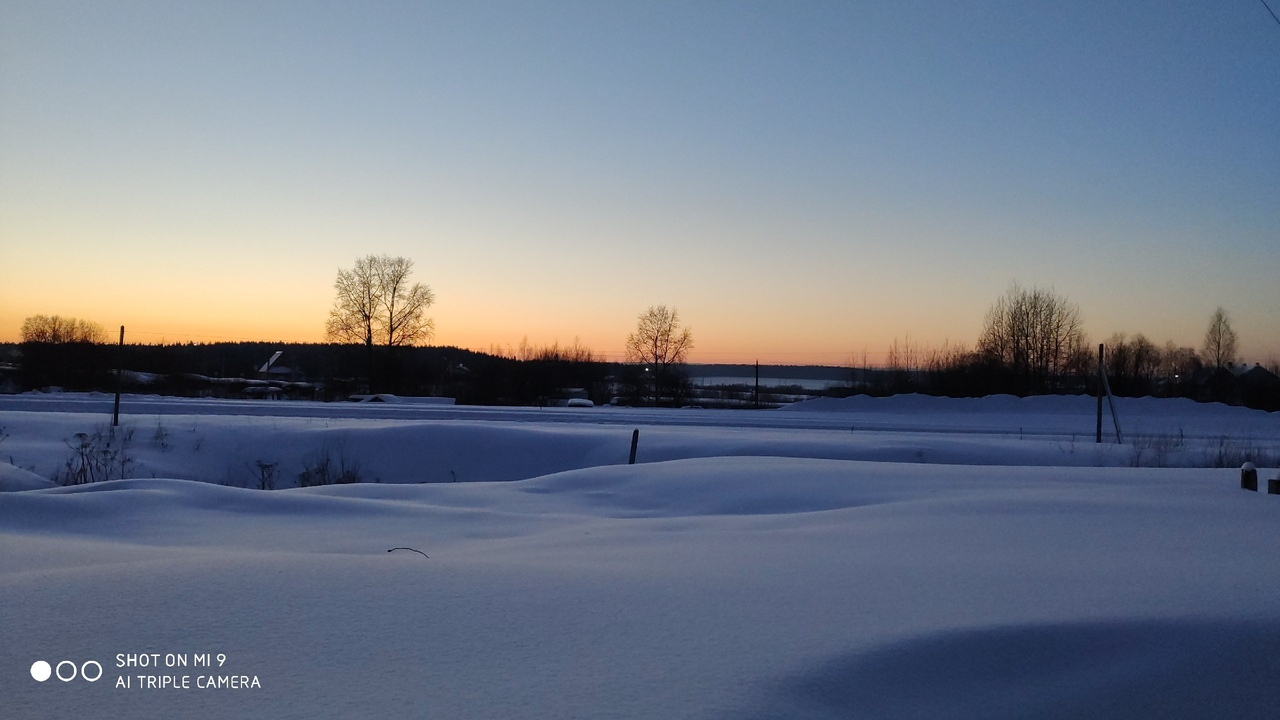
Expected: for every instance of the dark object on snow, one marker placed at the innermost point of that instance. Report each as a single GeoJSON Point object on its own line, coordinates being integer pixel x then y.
{"type": "Point", "coordinates": [411, 550]}
{"type": "Point", "coordinates": [1248, 477]}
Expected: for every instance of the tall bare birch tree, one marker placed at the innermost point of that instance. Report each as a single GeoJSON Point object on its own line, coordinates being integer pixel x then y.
{"type": "Point", "coordinates": [1219, 340]}
{"type": "Point", "coordinates": [376, 304]}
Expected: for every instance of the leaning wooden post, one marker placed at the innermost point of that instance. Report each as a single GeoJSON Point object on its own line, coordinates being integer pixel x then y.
{"type": "Point", "coordinates": [1111, 403]}
{"type": "Point", "coordinates": [635, 440]}
{"type": "Point", "coordinates": [115, 416]}
{"type": "Point", "coordinates": [1248, 477]}
{"type": "Point", "coordinates": [1100, 371]}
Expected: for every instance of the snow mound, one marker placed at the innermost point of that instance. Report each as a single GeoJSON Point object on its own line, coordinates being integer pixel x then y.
{"type": "Point", "coordinates": [738, 571]}
{"type": "Point", "coordinates": [742, 587]}
{"type": "Point", "coordinates": [728, 486]}
{"type": "Point", "coordinates": [15, 478]}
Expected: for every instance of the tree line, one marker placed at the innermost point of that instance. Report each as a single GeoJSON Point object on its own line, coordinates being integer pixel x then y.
{"type": "Point", "coordinates": [319, 371]}
{"type": "Point", "coordinates": [377, 328]}
{"type": "Point", "coordinates": [1032, 342]}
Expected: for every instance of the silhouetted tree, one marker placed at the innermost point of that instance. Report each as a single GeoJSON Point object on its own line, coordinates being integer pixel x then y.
{"type": "Point", "coordinates": [377, 305]}
{"type": "Point", "coordinates": [1146, 358]}
{"type": "Point", "coordinates": [1034, 333]}
{"type": "Point", "coordinates": [58, 329]}
{"type": "Point", "coordinates": [660, 344]}
{"type": "Point", "coordinates": [541, 374]}
{"type": "Point", "coordinates": [351, 320]}
{"type": "Point", "coordinates": [1219, 341]}
{"type": "Point", "coordinates": [1178, 363]}
{"type": "Point", "coordinates": [404, 305]}
{"type": "Point", "coordinates": [1132, 364]}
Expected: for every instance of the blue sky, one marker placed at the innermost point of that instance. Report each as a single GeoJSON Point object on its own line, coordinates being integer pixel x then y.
{"type": "Point", "coordinates": [803, 181]}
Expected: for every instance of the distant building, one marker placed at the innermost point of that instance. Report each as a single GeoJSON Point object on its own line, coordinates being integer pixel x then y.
{"type": "Point", "coordinates": [272, 369]}
{"type": "Point", "coordinates": [1250, 385]}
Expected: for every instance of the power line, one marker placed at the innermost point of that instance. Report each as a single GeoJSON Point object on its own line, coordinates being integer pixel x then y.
{"type": "Point", "coordinates": [209, 337]}
{"type": "Point", "coordinates": [1273, 13]}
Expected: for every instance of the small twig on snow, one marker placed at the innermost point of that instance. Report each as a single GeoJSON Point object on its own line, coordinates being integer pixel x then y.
{"type": "Point", "coordinates": [412, 550]}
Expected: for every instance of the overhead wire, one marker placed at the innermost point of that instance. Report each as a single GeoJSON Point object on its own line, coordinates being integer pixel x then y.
{"type": "Point", "coordinates": [208, 337]}
{"type": "Point", "coordinates": [1273, 12]}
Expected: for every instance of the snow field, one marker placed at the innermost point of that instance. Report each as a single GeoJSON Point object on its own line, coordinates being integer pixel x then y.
{"type": "Point", "coordinates": [210, 441]}
{"type": "Point", "coordinates": [727, 582]}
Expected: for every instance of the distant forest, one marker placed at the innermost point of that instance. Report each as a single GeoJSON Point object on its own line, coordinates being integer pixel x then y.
{"type": "Point", "coordinates": [337, 371]}
{"type": "Point", "coordinates": [311, 371]}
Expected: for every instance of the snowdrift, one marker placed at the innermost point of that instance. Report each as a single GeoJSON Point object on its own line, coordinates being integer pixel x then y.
{"type": "Point", "coordinates": [212, 442]}
{"type": "Point", "coordinates": [899, 560]}
{"type": "Point", "coordinates": [717, 587]}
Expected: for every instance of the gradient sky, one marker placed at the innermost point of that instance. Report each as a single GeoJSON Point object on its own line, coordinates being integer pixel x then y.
{"type": "Point", "coordinates": [803, 181]}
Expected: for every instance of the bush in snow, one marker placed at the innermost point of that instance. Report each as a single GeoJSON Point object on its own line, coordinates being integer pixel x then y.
{"type": "Point", "coordinates": [160, 438]}
{"type": "Point", "coordinates": [266, 479]}
{"type": "Point", "coordinates": [321, 468]}
{"type": "Point", "coordinates": [96, 457]}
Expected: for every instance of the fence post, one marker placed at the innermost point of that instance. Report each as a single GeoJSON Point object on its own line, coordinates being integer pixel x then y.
{"type": "Point", "coordinates": [1101, 370]}
{"type": "Point", "coordinates": [635, 440]}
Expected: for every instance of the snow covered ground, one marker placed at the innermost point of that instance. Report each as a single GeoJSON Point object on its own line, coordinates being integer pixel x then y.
{"type": "Point", "coordinates": [882, 558]}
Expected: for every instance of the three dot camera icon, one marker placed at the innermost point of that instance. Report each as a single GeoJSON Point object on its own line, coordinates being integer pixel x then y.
{"type": "Point", "coordinates": [66, 671]}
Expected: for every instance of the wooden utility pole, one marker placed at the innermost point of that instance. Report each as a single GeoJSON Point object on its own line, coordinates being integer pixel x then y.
{"type": "Point", "coordinates": [1101, 370]}
{"type": "Point", "coordinates": [115, 416]}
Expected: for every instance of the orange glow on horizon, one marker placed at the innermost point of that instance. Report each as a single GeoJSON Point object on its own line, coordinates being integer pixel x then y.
{"type": "Point", "coordinates": [719, 338]}
{"type": "Point", "coordinates": [609, 344]}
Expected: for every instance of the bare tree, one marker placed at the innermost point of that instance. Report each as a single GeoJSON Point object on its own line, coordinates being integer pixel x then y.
{"type": "Point", "coordinates": [1119, 359]}
{"type": "Point", "coordinates": [1146, 358]}
{"type": "Point", "coordinates": [58, 329]}
{"type": "Point", "coordinates": [660, 344]}
{"type": "Point", "coordinates": [1034, 333]}
{"type": "Point", "coordinates": [351, 320]}
{"type": "Point", "coordinates": [659, 340]}
{"type": "Point", "coordinates": [907, 357]}
{"type": "Point", "coordinates": [1219, 340]}
{"type": "Point", "coordinates": [555, 352]}
{"type": "Point", "coordinates": [1133, 363]}
{"type": "Point", "coordinates": [377, 305]}
{"type": "Point", "coordinates": [1177, 364]}
{"type": "Point", "coordinates": [403, 304]}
